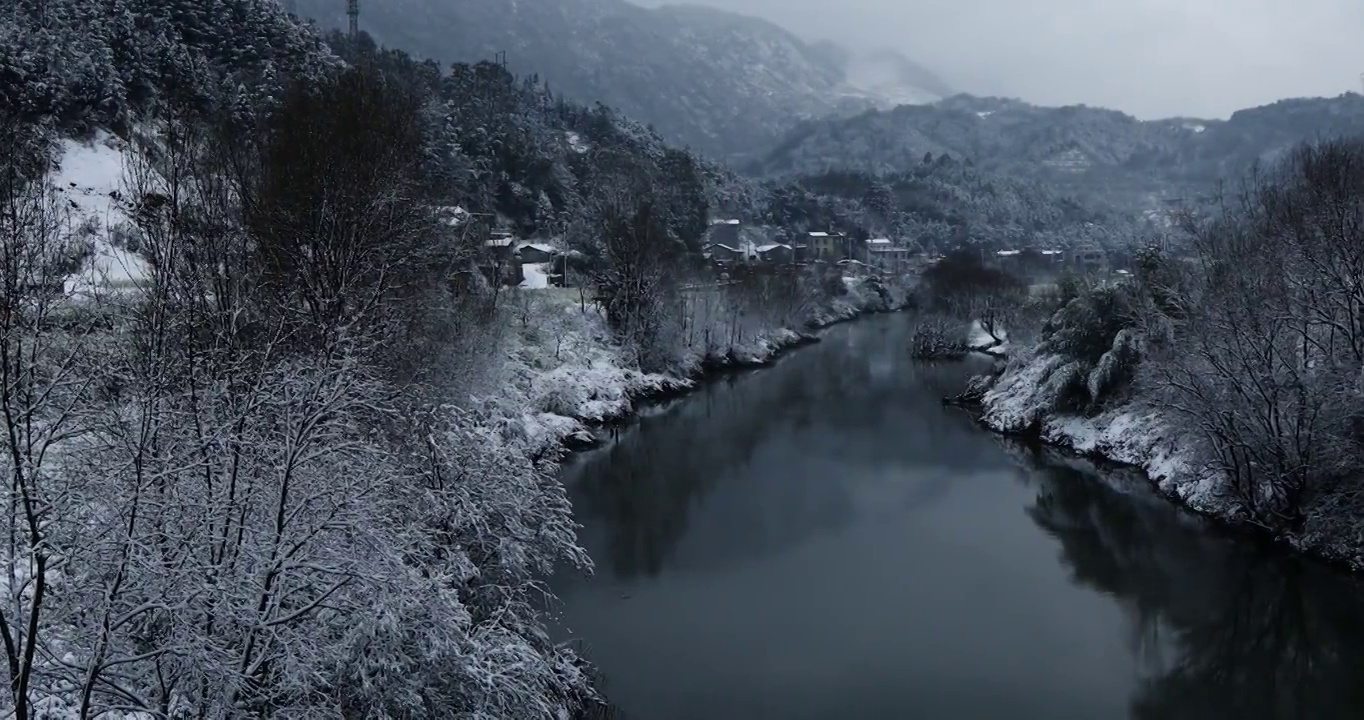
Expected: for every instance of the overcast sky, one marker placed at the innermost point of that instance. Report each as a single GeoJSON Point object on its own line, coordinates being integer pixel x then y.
{"type": "Point", "coordinates": [1151, 58]}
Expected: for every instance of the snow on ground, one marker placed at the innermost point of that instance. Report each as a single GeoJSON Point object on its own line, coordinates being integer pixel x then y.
{"type": "Point", "coordinates": [566, 371]}
{"type": "Point", "coordinates": [90, 177]}
{"type": "Point", "coordinates": [576, 142]}
{"type": "Point", "coordinates": [1021, 399]}
{"type": "Point", "coordinates": [536, 276]}
{"type": "Point", "coordinates": [980, 340]}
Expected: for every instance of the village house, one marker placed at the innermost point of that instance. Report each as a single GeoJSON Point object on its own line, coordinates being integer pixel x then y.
{"type": "Point", "coordinates": [887, 256]}
{"type": "Point", "coordinates": [827, 246]}
{"type": "Point", "coordinates": [775, 253]}
{"type": "Point", "coordinates": [724, 232]}
{"type": "Point", "coordinates": [725, 254]}
{"type": "Point", "coordinates": [499, 262]}
{"type": "Point", "coordinates": [723, 243]}
{"type": "Point", "coordinates": [536, 253]}
{"type": "Point", "coordinates": [1089, 258]}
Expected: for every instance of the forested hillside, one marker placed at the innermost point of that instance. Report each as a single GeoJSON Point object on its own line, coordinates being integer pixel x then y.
{"type": "Point", "coordinates": [296, 459]}
{"type": "Point", "coordinates": [83, 63]}
{"type": "Point", "coordinates": [722, 83]}
{"type": "Point", "coordinates": [1087, 150]}
{"type": "Point", "coordinates": [941, 203]}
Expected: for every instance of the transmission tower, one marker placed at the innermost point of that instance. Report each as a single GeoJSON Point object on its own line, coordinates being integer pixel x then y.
{"type": "Point", "coordinates": [353, 10]}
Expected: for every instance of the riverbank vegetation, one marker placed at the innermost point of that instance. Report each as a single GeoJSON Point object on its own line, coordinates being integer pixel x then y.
{"type": "Point", "coordinates": [277, 444]}
{"type": "Point", "coordinates": [968, 305]}
{"type": "Point", "coordinates": [1230, 371]}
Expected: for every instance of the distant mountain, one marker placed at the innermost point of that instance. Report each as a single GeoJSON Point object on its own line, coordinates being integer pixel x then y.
{"type": "Point", "coordinates": [1080, 148]}
{"type": "Point", "coordinates": [726, 84]}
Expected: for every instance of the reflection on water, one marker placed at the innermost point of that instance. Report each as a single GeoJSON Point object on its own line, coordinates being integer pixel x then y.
{"type": "Point", "coordinates": [1229, 630]}
{"type": "Point", "coordinates": [825, 540]}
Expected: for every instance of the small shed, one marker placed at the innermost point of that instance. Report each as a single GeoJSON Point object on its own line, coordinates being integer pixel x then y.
{"type": "Point", "coordinates": [534, 253]}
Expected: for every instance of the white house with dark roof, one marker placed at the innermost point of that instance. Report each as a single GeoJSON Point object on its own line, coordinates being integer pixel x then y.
{"type": "Point", "coordinates": [828, 246]}
{"type": "Point", "coordinates": [887, 255]}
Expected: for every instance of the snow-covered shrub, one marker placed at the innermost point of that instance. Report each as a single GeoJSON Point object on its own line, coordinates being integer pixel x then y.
{"type": "Point", "coordinates": [938, 338]}
{"type": "Point", "coordinates": [1065, 388]}
{"type": "Point", "coordinates": [1116, 368]}
{"type": "Point", "coordinates": [1085, 327]}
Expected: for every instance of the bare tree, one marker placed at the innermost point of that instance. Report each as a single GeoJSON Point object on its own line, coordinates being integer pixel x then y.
{"type": "Point", "coordinates": [44, 395]}
{"type": "Point", "coordinates": [1270, 359]}
{"type": "Point", "coordinates": [962, 285]}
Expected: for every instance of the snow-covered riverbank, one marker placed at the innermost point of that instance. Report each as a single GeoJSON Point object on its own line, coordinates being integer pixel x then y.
{"type": "Point", "coordinates": [1019, 400]}
{"type": "Point", "coordinates": [566, 372]}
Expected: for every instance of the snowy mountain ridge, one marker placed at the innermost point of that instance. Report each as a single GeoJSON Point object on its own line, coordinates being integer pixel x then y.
{"type": "Point", "coordinates": [1086, 149]}
{"type": "Point", "coordinates": [723, 83]}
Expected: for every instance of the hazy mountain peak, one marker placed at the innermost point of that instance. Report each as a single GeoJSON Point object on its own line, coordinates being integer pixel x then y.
{"type": "Point", "coordinates": [724, 83]}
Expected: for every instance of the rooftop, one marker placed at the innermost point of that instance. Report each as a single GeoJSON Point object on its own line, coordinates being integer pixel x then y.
{"type": "Point", "coordinates": [542, 247]}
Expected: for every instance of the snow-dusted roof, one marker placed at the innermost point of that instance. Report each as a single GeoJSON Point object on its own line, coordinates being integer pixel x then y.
{"type": "Point", "coordinates": [723, 246]}
{"type": "Point", "coordinates": [500, 242]}
{"type": "Point", "coordinates": [725, 222]}
{"type": "Point", "coordinates": [879, 241]}
{"type": "Point", "coordinates": [542, 247]}
{"type": "Point", "coordinates": [819, 233]}
{"type": "Point", "coordinates": [1009, 253]}
{"type": "Point", "coordinates": [1051, 252]}
{"type": "Point", "coordinates": [770, 247]}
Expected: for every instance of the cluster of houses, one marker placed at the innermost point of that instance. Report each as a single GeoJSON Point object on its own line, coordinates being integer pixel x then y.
{"type": "Point", "coordinates": [728, 242]}
{"type": "Point", "coordinates": [513, 261]}
{"type": "Point", "coordinates": [1032, 263]}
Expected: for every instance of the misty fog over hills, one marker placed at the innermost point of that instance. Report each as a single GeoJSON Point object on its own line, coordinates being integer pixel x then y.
{"type": "Point", "coordinates": [722, 83]}
{"type": "Point", "coordinates": [749, 92]}
{"type": "Point", "coordinates": [1149, 58]}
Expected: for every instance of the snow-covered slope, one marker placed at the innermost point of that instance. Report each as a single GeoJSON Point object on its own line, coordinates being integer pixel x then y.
{"type": "Point", "coordinates": [888, 79]}
{"type": "Point", "coordinates": [89, 176]}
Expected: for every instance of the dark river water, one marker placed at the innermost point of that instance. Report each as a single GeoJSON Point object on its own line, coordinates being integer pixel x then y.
{"type": "Point", "coordinates": [825, 540]}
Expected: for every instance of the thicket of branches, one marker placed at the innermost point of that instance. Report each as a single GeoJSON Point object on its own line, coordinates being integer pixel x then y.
{"type": "Point", "coordinates": [1255, 340]}
{"type": "Point", "coordinates": [1271, 354]}
{"type": "Point", "coordinates": [232, 492]}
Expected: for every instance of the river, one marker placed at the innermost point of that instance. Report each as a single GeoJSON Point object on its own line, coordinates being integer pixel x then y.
{"type": "Point", "coordinates": [824, 540]}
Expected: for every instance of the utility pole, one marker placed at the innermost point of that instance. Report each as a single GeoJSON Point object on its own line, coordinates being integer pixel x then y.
{"type": "Point", "coordinates": [500, 59]}
{"type": "Point", "coordinates": [353, 10]}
